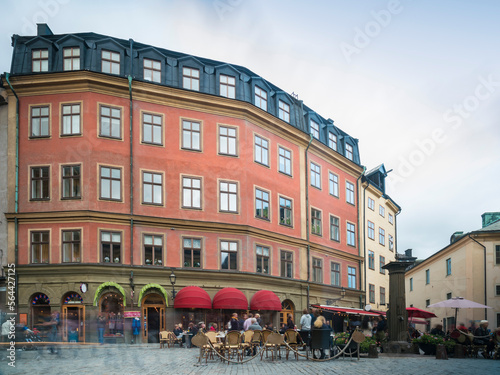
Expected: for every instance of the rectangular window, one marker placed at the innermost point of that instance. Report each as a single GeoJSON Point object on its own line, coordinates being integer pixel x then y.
{"type": "Point", "coordinates": [227, 86]}
{"type": "Point", "coordinates": [227, 141]}
{"type": "Point", "coordinates": [111, 247]}
{"type": "Point", "coordinates": [110, 62]}
{"type": "Point", "coordinates": [228, 196]}
{"type": "Point", "coordinates": [382, 264]}
{"type": "Point", "coordinates": [262, 259]}
{"type": "Point", "coordinates": [71, 246]}
{"type": "Point", "coordinates": [152, 70]}
{"type": "Point", "coordinates": [411, 284]}
{"type": "Point", "coordinates": [191, 192]}
{"type": "Point", "coordinates": [381, 236]}
{"type": "Point", "coordinates": [427, 276]}
{"type": "Point", "coordinates": [153, 250]}
{"type": "Point", "coordinates": [448, 295]}
{"type": "Point", "coordinates": [427, 302]}
{"type": "Point", "coordinates": [315, 175]}
{"type": "Point", "coordinates": [381, 211]}
{"type": "Point", "coordinates": [317, 273]}
{"type": "Point", "coordinates": [334, 228]}
{"type": "Point", "coordinates": [40, 60]}
{"type": "Point", "coordinates": [40, 121]}
{"type": "Point", "coordinates": [261, 204]}
{"type": "Point", "coordinates": [71, 119]}
{"type": "Point", "coordinates": [371, 293]}
{"type": "Point", "coordinates": [371, 204]}
{"type": "Point", "coordinates": [314, 129]}
{"type": "Point", "coordinates": [110, 122]}
{"type": "Point", "coordinates": [335, 274]}
{"type": "Point", "coordinates": [152, 188]}
{"type": "Point", "coordinates": [497, 288]}
{"type": "Point", "coordinates": [71, 182]}
{"type": "Point", "coordinates": [333, 184]}
{"type": "Point", "coordinates": [497, 254]}
{"type": "Point", "coordinates": [371, 230]}
{"type": "Point", "coordinates": [284, 111]}
{"type": "Point", "coordinates": [391, 219]}
{"type": "Point", "coordinates": [382, 295]}
{"type": "Point", "coordinates": [192, 252]}
{"type": "Point", "coordinates": [351, 234]}
{"type": "Point", "coordinates": [351, 277]}
{"type": "Point", "coordinates": [71, 58]}
{"type": "Point", "coordinates": [286, 264]}
{"type": "Point", "coordinates": [228, 255]}
{"type": "Point", "coordinates": [152, 129]}
{"type": "Point", "coordinates": [371, 260]}
{"type": "Point", "coordinates": [40, 247]}
{"type": "Point", "coordinates": [349, 192]}
{"type": "Point", "coordinates": [316, 221]}
{"type": "Point", "coordinates": [332, 141]}
{"type": "Point", "coordinates": [286, 212]}
{"type": "Point", "coordinates": [348, 151]}
{"type": "Point", "coordinates": [40, 183]}
{"type": "Point", "coordinates": [448, 266]}
{"type": "Point", "coordinates": [191, 79]}
{"type": "Point", "coordinates": [285, 161]}
{"type": "Point", "coordinates": [260, 98]}
{"type": "Point", "coordinates": [261, 150]}
{"type": "Point", "coordinates": [191, 135]}
{"type": "Point", "coordinates": [391, 242]}
{"type": "Point", "coordinates": [111, 183]}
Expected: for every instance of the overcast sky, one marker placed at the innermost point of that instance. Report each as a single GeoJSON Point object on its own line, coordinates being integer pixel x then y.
{"type": "Point", "coordinates": [417, 82]}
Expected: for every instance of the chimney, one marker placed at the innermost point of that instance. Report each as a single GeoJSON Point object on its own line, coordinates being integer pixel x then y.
{"type": "Point", "coordinates": [43, 29]}
{"type": "Point", "coordinates": [490, 218]}
{"type": "Point", "coordinates": [408, 252]}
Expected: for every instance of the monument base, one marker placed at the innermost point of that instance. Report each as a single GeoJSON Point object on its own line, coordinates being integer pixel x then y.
{"type": "Point", "coordinates": [398, 347]}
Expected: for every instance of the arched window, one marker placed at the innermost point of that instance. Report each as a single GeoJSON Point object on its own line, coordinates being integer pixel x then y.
{"type": "Point", "coordinates": [287, 307]}
{"type": "Point", "coordinates": [40, 309]}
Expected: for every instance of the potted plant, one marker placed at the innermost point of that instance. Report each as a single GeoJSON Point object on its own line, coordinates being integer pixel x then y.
{"type": "Point", "coordinates": [450, 346]}
{"type": "Point", "coordinates": [427, 343]}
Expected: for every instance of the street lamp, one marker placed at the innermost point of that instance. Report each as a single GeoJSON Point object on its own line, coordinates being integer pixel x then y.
{"type": "Point", "coordinates": [332, 301]}
{"type": "Point", "coordinates": [172, 281]}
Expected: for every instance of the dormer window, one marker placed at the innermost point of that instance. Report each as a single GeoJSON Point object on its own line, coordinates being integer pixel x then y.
{"type": "Point", "coordinates": [332, 141]}
{"type": "Point", "coordinates": [71, 58]}
{"type": "Point", "coordinates": [110, 62]}
{"type": "Point", "coordinates": [191, 79]}
{"type": "Point", "coordinates": [348, 151]}
{"type": "Point", "coordinates": [315, 129]}
{"type": "Point", "coordinates": [40, 60]}
{"type": "Point", "coordinates": [152, 70]}
{"type": "Point", "coordinates": [260, 98]}
{"type": "Point", "coordinates": [284, 111]}
{"type": "Point", "coordinates": [227, 86]}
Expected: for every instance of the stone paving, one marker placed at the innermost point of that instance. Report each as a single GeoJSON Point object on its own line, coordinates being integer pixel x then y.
{"type": "Point", "coordinates": [149, 359]}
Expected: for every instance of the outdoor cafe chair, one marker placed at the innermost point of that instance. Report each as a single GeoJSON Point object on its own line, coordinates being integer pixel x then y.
{"type": "Point", "coordinates": [273, 343]}
{"type": "Point", "coordinates": [164, 339]}
{"type": "Point", "coordinates": [246, 337]}
{"type": "Point", "coordinates": [256, 340]}
{"type": "Point", "coordinates": [294, 341]}
{"type": "Point", "coordinates": [232, 345]}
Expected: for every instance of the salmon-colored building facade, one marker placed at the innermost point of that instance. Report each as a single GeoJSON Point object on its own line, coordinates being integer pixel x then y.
{"type": "Point", "coordinates": [128, 176]}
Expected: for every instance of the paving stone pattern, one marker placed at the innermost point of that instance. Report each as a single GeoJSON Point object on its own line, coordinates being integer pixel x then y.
{"type": "Point", "coordinates": [149, 359]}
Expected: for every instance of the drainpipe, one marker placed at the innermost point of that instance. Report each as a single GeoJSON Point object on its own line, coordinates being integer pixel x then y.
{"type": "Point", "coordinates": [131, 158]}
{"type": "Point", "coordinates": [359, 236]}
{"type": "Point", "coordinates": [16, 204]}
{"type": "Point", "coordinates": [485, 294]}
{"type": "Point", "coordinates": [307, 221]}
{"type": "Point", "coordinates": [364, 235]}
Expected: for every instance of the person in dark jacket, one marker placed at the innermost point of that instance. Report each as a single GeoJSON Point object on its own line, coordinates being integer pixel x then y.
{"type": "Point", "coordinates": [234, 322]}
{"type": "Point", "coordinates": [289, 322]}
{"type": "Point", "coordinates": [320, 324]}
{"type": "Point", "coordinates": [482, 336]}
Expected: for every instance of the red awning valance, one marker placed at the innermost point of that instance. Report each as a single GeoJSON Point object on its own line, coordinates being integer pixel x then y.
{"type": "Point", "coordinates": [192, 297]}
{"type": "Point", "coordinates": [230, 298]}
{"type": "Point", "coordinates": [265, 300]}
{"type": "Point", "coordinates": [345, 310]}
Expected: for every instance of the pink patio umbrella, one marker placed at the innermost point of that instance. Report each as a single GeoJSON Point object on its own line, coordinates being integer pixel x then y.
{"type": "Point", "coordinates": [459, 303]}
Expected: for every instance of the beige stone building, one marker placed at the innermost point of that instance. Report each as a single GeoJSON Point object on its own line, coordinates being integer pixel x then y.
{"type": "Point", "coordinates": [468, 267]}
{"type": "Point", "coordinates": [378, 219]}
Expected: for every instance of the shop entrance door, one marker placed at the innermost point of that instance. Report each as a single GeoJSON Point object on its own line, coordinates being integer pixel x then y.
{"type": "Point", "coordinates": [73, 319]}
{"type": "Point", "coordinates": [153, 312]}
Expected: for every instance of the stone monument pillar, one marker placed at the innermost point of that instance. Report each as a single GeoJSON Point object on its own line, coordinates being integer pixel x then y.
{"type": "Point", "coordinates": [397, 317]}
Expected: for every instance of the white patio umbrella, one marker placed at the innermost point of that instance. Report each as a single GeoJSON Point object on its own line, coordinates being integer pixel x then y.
{"type": "Point", "coordinates": [459, 303]}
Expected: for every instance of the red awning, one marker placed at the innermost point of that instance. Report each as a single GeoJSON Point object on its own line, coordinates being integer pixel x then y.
{"type": "Point", "coordinates": [192, 297]}
{"type": "Point", "coordinates": [346, 310]}
{"type": "Point", "coordinates": [265, 300]}
{"type": "Point", "coordinates": [230, 298]}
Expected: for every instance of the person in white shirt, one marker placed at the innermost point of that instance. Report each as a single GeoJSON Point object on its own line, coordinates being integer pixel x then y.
{"type": "Point", "coordinates": [305, 326]}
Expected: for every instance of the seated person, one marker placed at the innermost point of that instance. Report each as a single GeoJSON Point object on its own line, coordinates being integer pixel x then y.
{"type": "Point", "coordinates": [437, 330]}
{"type": "Point", "coordinates": [482, 336]}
